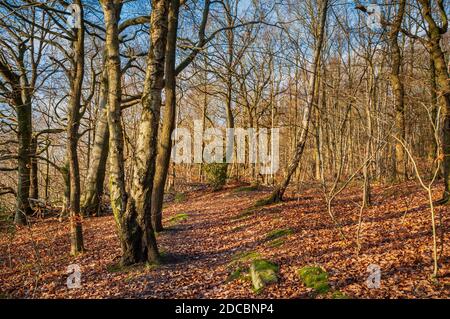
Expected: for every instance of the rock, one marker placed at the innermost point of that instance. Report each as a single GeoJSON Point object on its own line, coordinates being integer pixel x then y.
{"type": "Point", "coordinates": [263, 273]}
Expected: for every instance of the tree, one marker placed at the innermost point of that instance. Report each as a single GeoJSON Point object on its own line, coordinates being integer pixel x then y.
{"type": "Point", "coordinates": [73, 123]}
{"type": "Point", "coordinates": [278, 194]}
{"type": "Point", "coordinates": [18, 83]}
{"type": "Point", "coordinates": [165, 139]}
{"type": "Point", "coordinates": [399, 92]}
{"type": "Point", "coordinates": [91, 203]}
{"type": "Point", "coordinates": [141, 191]}
{"type": "Point", "coordinates": [433, 45]}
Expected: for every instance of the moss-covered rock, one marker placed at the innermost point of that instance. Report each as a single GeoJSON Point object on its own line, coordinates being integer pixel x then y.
{"type": "Point", "coordinates": [247, 189]}
{"type": "Point", "coordinates": [177, 219]}
{"type": "Point", "coordinates": [244, 257]}
{"type": "Point", "coordinates": [279, 233]}
{"type": "Point", "coordinates": [263, 272]}
{"type": "Point", "coordinates": [238, 273]}
{"type": "Point", "coordinates": [245, 214]}
{"type": "Point", "coordinates": [276, 243]}
{"type": "Point", "coordinates": [239, 265]}
{"type": "Point", "coordinates": [315, 278]}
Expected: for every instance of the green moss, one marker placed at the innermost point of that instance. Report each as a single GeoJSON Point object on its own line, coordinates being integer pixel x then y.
{"type": "Point", "coordinates": [118, 268]}
{"type": "Point", "coordinates": [315, 278]}
{"type": "Point", "coordinates": [238, 273]}
{"type": "Point", "coordinates": [239, 265]}
{"type": "Point", "coordinates": [177, 219]}
{"type": "Point", "coordinates": [267, 270]}
{"type": "Point", "coordinates": [180, 198]}
{"type": "Point", "coordinates": [245, 214]}
{"type": "Point", "coordinates": [339, 295]}
{"type": "Point", "coordinates": [245, 257]}
{"type": "Point", "coordinates": [278, 233]}
{"type": "Point", "coordinates": [246, 189]}
{"type": "Point", "coordinates": [272, 199]}
{"type": "Point", "coordinates": [263, 272]}
{"type": "Point", "coordinates": [276, 243]}
{"type": "Point", "coordinates": [264, 202]}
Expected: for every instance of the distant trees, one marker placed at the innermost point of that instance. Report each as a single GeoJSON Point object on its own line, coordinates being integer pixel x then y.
{"type": "Point", "coordinates": [312, 102]}
{"type": "Point", "coordinates": [21, 59]}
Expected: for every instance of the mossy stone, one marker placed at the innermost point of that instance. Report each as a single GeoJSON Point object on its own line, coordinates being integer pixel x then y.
{"type": "Point", "coordinates": [315, 278]}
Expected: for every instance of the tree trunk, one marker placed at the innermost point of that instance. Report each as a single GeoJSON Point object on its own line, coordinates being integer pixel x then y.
{"type": "Point", "coordinates": [399, 93]}
{"type": "Point", "coordinates": [73, 124]}
{"type": "Point", "coordinates": [165, 144]}
{"type": "Point", "coordinates": [278, 194]}
{"type": "Point", "coordinates": [23, 111]}
{"type": "Point", "coordinates": [126, 222]}
{"type": "Point", "coordinates": [34, 187]}
{"type": "Point", "coordinates": [21, 101]}
{"type": "Point", "coordinates": [433, 152]}
{"type": "Point", "coordinates": [96, 174]}
{"type": "Point", "coordinates": [442, 79]}
{"type": "Point", "coordinates": [141, 191]}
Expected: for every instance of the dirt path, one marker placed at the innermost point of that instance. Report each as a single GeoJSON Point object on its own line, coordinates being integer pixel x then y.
{"type": "Point", "coordinates": [210, 229]}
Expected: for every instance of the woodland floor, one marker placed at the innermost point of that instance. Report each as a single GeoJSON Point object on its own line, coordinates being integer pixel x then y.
{"type": "Point", "coordinates": [396, 235]}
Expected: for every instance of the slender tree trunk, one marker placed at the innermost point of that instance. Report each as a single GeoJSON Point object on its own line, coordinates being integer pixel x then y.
{"type": "Point", "coordinates": [278, 194]}
{"type": "Point", "coordinates": [93, 191]}
{"type": "Point", "coordinates": [399, 93]}
{"type": "Point", "coordinates": [47, 175]}
{"type": "Point", "coordinates": [126, 222]}
{"type": "Point", "coordinates": [73, 124]}
{"type": "Point", "coordinates": [165, 144]}
{"type": "Point", "coordinates": [434, 111]}
{"type": "Point", "coordinates": [369, 107]}
{"type": "Point", "coordinates": [141, 190]}
{"type": "Point", "coordinates": [34, 187]}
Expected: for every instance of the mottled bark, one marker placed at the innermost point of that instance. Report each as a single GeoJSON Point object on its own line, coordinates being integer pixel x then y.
{"type": "Point", "coordinates": [142, 186]}
{"type": "Point", "coordinates": [20, 100]}
{"type": "Point", "coordinates": [23, 111]}
{"type": "Point", "coordinates": [435, 33]}
{"type": "Point", "coordinates": [95, 179]}
{"type": "Point", "coordinates": [73, 124]}
{"type": "Point", "coordinates": [165, 140]}
{"type": "Point", "coordinates": [126, 223]}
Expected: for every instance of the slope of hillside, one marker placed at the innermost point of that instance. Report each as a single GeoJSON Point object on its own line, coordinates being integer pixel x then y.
{"type": "Point", "coordinates": [209, 234]}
